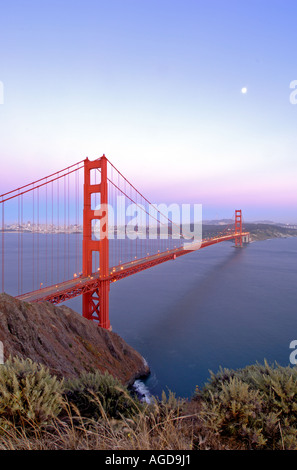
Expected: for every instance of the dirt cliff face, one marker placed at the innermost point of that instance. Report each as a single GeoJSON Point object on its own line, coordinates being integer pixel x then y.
{"type": "Point", "coordinates": [65, 342]}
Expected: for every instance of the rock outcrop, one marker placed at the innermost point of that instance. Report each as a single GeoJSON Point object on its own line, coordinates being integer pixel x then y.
{"type": "Point", "coordinates": [65, 342]}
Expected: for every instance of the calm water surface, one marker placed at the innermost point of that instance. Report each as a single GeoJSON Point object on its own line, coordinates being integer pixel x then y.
{"type": "Point", "coordinates": [220, 306]}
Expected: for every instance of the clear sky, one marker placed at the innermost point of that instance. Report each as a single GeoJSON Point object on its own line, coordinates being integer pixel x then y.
{"type": "Point", "coordinates": [156, 86]}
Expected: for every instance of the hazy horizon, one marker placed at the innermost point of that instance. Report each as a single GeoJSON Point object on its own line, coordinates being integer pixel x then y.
{"type": "Point", "coordinates": [193, 101]}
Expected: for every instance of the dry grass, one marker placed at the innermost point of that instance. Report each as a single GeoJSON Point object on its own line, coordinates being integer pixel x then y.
{"type": "Point", "coordinates": [253, 408]}
{"type": "Point", "coordinates": [154, 428]}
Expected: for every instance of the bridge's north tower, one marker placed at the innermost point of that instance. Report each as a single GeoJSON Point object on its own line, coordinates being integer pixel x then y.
{"type": "Point", "coordinates": [238, 228]}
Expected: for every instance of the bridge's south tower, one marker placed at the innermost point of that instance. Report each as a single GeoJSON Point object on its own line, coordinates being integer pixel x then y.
{"type": "Point", "coordinates": [96, 301]}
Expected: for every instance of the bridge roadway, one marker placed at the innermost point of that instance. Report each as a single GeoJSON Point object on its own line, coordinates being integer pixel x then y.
{"type": "Point", "coordinates": [79, 285]}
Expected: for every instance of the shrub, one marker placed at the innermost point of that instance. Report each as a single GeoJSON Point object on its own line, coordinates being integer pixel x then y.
{"type": "Point", "coordinates": [95, 395]}
{"type": "Point", "coordinates": [28, 393]}
{"type": "Point", "coordinates": [256, 405]}
{"type": "Point", "coordinates": [160, 409]}
{"type": "Point", "coordinates": [234, 411]}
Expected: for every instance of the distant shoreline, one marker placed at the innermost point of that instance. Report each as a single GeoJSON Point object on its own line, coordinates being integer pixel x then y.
{"type": "Point", "coordinates": [40, 233]}
{"type": "Point", "coordinates": [258, 231]}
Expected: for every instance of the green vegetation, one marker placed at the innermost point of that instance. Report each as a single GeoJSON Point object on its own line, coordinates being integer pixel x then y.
{"type": "Point", "coordinates": [28, 393]}
{"type": "Point", "coordinates": [96, 394]}
{"type": "Point", "coordinates": [255, 407]}
{"type": "Point", "coordinates": [251, 408]}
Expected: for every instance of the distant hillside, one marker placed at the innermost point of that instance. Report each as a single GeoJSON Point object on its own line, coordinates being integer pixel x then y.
{"type": "Point", "coordinates": [258, 231]}
{"type": "Point", "coordinates": [265, 231]}
{"type": "Point", "coordinates": [218, 222]}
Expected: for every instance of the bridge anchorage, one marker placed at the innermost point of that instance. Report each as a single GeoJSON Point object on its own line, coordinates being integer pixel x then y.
{"type": "Point", "coordinates": [119, 253]}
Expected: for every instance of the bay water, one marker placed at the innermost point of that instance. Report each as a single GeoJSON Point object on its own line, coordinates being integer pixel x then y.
{"type": "Point", "coordinates": [219, 306]}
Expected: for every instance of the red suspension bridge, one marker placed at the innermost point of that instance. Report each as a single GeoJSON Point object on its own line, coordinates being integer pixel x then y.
{"type": "Point", "coordinates": [47, 254]}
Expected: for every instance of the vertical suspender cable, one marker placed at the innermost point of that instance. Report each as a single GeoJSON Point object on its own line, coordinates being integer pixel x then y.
{"type": "Point", "coordinates": [3, 260]}
{"type": "Point", "coordinates": [76, 222]}
{"type": "Point", "coordinates": [38, 230]}
{"type": "Point", "coordinates": [33, 241]}
{"type": "Point", "coordinates": [46, 235]}
{"type": "Point", "coordinates": [68, 229]}
{"type": "Point", "coordinates": [64, 228]}
{"type": "Point", "coordinates": [52, 224]}
{"type": "Point", "coordinates": [58, 229]}
{"type": "Point", "coordinates": [22, 247]}
{"type": "Point", "coordinates": [19, 226]}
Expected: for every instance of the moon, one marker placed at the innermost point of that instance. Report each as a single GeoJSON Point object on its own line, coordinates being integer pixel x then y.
{"type": "Point", "coordinates": [244, 90]}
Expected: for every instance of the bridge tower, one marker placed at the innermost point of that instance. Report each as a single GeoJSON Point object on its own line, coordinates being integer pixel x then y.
{"type": "Point", "coordinates": [95, 303]}
{"type": "Point", "coordinates": [238, 228]}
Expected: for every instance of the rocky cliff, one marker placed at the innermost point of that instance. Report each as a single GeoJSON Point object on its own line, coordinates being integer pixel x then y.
{"type": "Point", "coordinates": [65, 342]}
